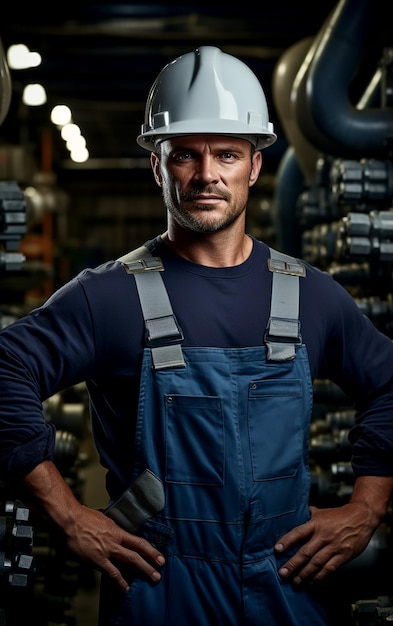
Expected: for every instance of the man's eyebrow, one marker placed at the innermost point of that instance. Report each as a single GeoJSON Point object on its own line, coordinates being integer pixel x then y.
{"type": "Point", "coordinates": [178, 148]}
{"type": "Point", "coordinates": [219, 148]}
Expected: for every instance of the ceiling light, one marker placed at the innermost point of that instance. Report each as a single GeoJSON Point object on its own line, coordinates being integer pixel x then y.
{"type": "Point", "coordinates": [61, 115]}
{"type": "Point", "coordinates": [69, 131]}
{"type": "Point", "coordinates": [80, 155]}
{"type": "Point", "coordinates": [75, 143]}
{"type": "Point", "coordinates": [19, 57]}
{"type": "Point", "coordinates": [34, 95]}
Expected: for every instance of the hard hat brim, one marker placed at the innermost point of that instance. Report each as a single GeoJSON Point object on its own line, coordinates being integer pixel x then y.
{"type": "Point", "coordinates": [149, 140]}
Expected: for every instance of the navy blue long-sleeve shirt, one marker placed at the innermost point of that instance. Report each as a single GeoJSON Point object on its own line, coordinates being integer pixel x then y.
{"type": "Point", "coordinates": [92, 330]}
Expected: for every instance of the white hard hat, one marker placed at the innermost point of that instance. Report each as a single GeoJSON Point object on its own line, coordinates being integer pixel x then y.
{"type": "Point", "coordinates": [206, 92]}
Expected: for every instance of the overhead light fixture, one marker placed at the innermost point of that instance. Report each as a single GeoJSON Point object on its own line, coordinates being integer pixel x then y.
{"type": "Point", "coordinates": [34, 95]}
{"type": "Point", "coordinates": [69, 131]}
{"type": "Point", "coordinates": [75, 143]}
{"type": "Point", "coordinates": [19, 57]}
{"type": "Point", "coordinates": [61, 115]}
{"type": "Point", "coordinates": [79, 155]}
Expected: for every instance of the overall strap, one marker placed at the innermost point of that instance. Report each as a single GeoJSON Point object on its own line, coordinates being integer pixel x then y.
{"type": "Point", "coordinates": [283, 329]}
{"type": "Point", "coordinates": [163, 334]}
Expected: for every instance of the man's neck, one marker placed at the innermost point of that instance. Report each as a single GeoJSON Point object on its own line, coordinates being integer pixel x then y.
{"type": "Point", "coordinates": [221, 249]}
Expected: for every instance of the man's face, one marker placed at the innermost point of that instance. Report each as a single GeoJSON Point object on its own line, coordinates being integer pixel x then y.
{"type": "Point", "coordinates": [205, 179]}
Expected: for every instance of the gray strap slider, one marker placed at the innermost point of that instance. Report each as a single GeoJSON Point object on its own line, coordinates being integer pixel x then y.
{"type": "Point", "coordinates": [281, 337]}
{"type": "Point", "coordinates": [162, 331]}
{"type": "Point", "coordinates": [293, 267]}
{"type": "Point", "coordinates": [283, 327]}
{"type": "Point", "coordinates": [144, 264]}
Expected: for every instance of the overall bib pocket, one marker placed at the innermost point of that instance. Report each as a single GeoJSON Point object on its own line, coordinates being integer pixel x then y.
{"type": "Point", "coordinates": [195, 451]}
{"type": "Point", "coordinates": [275, 410]}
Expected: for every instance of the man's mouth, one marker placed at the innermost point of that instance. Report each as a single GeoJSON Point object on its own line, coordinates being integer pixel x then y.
{"type": "Point", "coordinates": [207, 195]}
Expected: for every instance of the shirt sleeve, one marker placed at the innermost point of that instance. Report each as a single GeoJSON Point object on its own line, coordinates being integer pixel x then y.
{"type": "Point", "coordinates": [47, 350]}
{"type": "Point", "coordinates": [359, 359]}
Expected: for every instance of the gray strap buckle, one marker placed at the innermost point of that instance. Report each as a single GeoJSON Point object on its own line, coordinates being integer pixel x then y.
{"type": "Point", "coordinates": [293, 267]}
{"type": "Point", "coordinates": [139, 502]}
{"type": "Point", "coordinates": [145, 264]}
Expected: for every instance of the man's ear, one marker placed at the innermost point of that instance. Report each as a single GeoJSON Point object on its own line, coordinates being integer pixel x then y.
{"type": "Point", "coordinates": [256, 165]}
{"type": "Point", "coordinates": [155, 166]}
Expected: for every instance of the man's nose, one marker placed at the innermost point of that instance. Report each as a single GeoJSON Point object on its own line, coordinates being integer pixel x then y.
{"type": "Point", "coordinates": [207, 169]}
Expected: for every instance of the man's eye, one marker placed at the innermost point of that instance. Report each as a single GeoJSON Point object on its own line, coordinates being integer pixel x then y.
{"type": "Point", "coordinates": [181, 156]}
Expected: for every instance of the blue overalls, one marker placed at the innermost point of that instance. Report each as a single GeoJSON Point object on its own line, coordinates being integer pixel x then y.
{"type": "Point", "coordinates": [227, 432]}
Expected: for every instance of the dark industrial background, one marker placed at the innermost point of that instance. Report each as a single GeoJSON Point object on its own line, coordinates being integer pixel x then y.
{"type": "Point", "coordinates": [325, 194]}
{"type": "Point", "coordinates": [100, 59]}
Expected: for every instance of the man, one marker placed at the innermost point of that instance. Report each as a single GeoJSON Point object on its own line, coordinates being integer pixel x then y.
{"type": "Point", "coordinates": [204, 394]}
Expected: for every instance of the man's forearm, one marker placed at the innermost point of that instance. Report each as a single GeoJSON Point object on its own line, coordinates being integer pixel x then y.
{"type": "Point", "coordinates": [51, 494]}
{"type": "Point", "coordinates": [374, 492]}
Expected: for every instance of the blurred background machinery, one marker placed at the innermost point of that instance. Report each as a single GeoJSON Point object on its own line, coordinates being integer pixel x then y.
{"type": "Point", "coordinates": [337, 111]}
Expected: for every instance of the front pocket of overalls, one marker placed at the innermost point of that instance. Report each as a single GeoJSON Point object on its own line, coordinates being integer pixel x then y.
{"type": "Point", "coordinates": [275, 426]}
{"type": "Point", "coordinates": [194, 440]}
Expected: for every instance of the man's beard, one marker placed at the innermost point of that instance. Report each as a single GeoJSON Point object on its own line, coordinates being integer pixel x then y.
{"type": "Point", "coordinates": [193, 221]}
